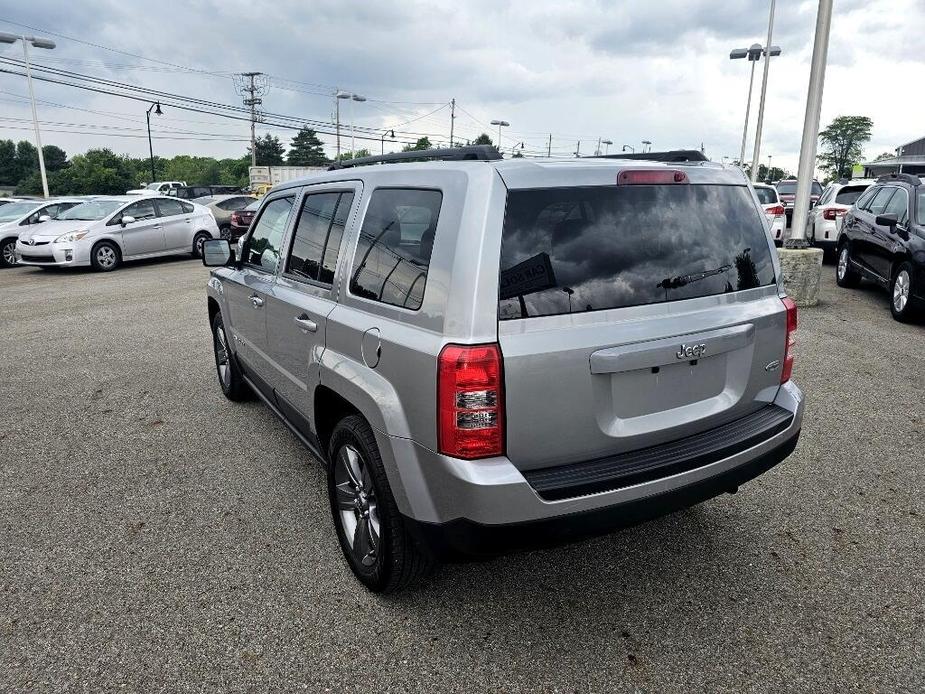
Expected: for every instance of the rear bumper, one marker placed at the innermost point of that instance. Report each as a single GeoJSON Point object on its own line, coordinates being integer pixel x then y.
{"type": "Point", "coordinates": [447, 500]}
{"type": "Point", "coordinates": [463, 538]}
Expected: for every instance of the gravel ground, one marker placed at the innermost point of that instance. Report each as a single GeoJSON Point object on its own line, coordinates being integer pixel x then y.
{"type": "Point", "coordinates": [158, 538]}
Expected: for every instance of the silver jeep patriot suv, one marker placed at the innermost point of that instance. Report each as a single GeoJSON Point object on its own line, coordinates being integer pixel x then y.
{"type": "Point", "coordinates": [494, 354]}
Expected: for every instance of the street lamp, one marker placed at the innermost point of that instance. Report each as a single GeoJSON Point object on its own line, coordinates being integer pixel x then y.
{"type": "Point", "coordinates": [769, 168]}
{"type": "Point", "coordinates": [353, 97]}
{"type": "Point", "coordinates": [338, 95]}
{"type": "Point", "coordinates": [391, 134]}
{"type": "Point", "coordinates": [500, 124]}
{"type": "Point", "coordinates": [646, 146]}
{"type": "Point", "coordinates": [630, 148]}
{"type": "Point", "coordinates": [36, 43]}
{"type": "Point", "coordinates": [157, 112]}
{"type": "Point", "coordinates": [753, 53]}
{"type": "Point", "coordinates": [606, 144]}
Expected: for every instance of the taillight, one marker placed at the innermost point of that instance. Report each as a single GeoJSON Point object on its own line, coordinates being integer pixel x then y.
{"type": "Point", "coordinates": [787, 371]}
{"type": "Point", "coordinates": [776, 211]}
{"type": "Point", "coordinates": [831, 213]}
{"type": "Point", "coordinates": [470, 401]}
{"type": "Point", "coordinates": [651, 177]}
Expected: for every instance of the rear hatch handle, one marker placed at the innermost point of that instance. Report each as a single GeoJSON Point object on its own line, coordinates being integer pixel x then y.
{"type": "Point", "coordinates": [643, 355]}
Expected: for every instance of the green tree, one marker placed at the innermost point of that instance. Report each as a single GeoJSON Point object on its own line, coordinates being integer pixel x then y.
{"type": "Point", "coordinates": [843, 144]}
{"type": "Point", "coordinates": [482, 139]}
{"type": "Point", "coordinates": [8, 171]}
{"type": "Point", "coordinates": [27, 159]}
{"type": "Point", "coordinates": [306, 149]}
{"type": "Point", "coordinates": [422, 143]}
{"type": "Point", "coordinates": [354, 155]}
{"type": "Point", "coordinates": [884, 155]}
{"type": "Point", "coordinates": [270, 150]}
{"type": "Point", "coordinates": [55, 157]}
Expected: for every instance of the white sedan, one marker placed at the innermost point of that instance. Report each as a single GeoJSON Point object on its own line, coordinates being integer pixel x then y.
{"type": "Point", "coordinates": [17, 216]}
{"type": "Point", "coordinates": [106, 231]}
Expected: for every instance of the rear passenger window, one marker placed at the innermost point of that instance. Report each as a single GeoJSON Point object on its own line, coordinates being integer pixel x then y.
{"type": "Point", "coordinates": [317, 236]}
{"type": "Point", "coordinates": [262, 246]}
{"type": "Point", "coordinates": [393, 253]}
{"type": "Point", "coordinates": [169, 208]}
{"type": "Point", "coordinates": [880, 200]}
{"type": "Point", "coordinates": [898, 205]}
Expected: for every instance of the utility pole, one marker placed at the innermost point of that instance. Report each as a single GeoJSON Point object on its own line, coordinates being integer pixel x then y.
{"type": "Point", "coordinates": [578, 149]}
{"type": "Point", "coordinates": [452, 118]}
{"type": "Point", "coordinates": [764, 89]}
{"type": "Point", "coordinates": [549, 146]}
{"type": "Point", "coordinates": [252, 89]}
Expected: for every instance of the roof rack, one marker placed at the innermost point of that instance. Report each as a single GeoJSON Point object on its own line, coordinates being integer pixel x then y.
{"type": "Point", "coordinates": [901, 177]}
{"type": "Point", "coordinates": [469, 153]}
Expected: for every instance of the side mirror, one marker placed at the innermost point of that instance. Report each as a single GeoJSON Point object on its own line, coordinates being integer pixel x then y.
{"type": "Point", "coordinates": [217, 253]}
{"type": "Point", "coordinates": [44, 218]}
{"type": "Point", "coordinates": [887, 220]}
{"type": "Point", "coordinates": [126, 219]}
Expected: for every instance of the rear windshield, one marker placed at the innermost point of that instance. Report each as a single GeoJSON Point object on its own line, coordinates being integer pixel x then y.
{"type": "Point", "coordinates": [849, 195]}
{"type": "Point", "coordinates": [787, 187]}
{"type": "Point", "coordinates": [766, 196]}
{"type": "Point", "coordinates": [589, 249]}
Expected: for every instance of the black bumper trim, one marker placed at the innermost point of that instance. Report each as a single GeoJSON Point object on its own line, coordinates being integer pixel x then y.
{"type": "Point", "coordinates": [463, 539]}
{"type": "Point", "coordinates": [663, 460]}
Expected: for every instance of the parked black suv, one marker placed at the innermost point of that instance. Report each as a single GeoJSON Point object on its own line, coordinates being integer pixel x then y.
{"type": "Point", "coordinates": [193, 192]}
{"type": "Point", "coordinates": [883, 239]}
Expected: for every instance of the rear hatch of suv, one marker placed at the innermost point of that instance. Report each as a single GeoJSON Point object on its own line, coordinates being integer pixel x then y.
{"type": "Point", "coordinates": [634, 314]}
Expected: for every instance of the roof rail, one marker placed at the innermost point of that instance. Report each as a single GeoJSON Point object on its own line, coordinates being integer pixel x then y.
{"type": "Point", "coordinates": [901, 177]}
{"type": "Point", "coordinates": [470, 152]}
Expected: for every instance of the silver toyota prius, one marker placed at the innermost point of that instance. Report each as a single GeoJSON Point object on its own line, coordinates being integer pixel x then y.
{"type": "Point", "coordinates": [106, 231]}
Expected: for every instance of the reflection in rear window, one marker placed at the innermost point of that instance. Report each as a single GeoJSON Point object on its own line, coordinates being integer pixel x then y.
{"type": "Point", "coordinates": [588, 249]}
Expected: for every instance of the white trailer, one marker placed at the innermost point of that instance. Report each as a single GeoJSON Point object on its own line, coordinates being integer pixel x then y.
{"type": "Point", "coordinates": [262, 178]}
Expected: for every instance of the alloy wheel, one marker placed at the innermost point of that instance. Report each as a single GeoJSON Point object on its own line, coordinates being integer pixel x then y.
{"type": "Point", "coordinates": [901, 291]}
{"type": "Point", "coordinates": [200, 240]}
{"type": "Point", "coordinates": [9, 254]}
{"type": "Point", "coordinates": [843, 263]}
{"type": "Point", "coordinates": [357, 505]}
{"type": "Point", "coordinates": [105, 256]}
{"type": "Point", "coordinates": [221, 357]}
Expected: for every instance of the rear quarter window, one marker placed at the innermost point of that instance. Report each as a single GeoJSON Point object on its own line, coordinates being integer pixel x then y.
{"type": "Point", "coordinates": [568, 250]}
{"type": "Point", "coordinates": [393, 253]}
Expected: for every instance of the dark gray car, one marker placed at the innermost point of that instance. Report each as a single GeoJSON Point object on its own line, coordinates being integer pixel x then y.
{"type": "Point", "coordinates": [491, 355]}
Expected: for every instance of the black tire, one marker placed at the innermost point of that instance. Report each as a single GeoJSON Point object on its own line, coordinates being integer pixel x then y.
{"type": "Point", "coordinates": [105, 256]}
{"type": "Point", "coordinates": [229, 379]}
{"type": "Point", "coordinates": [903, 304]}
{"type": "Point", "coordinates": [845, 274]}
{"type": "Point", "coordinates": [7, 256]}
{"type": "Point", "coordinates": [395, 560]}
{"type": "Point", "coordinates": [197, 242]}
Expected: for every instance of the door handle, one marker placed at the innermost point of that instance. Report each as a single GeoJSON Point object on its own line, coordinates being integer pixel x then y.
{"type": "Point", "coordinates": [256, 301]}
{"type": "Point", "coordinates": [306, 323]}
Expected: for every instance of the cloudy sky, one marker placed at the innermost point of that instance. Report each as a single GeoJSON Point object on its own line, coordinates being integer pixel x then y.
{"type": "Point", "coordinates": [580, 70]}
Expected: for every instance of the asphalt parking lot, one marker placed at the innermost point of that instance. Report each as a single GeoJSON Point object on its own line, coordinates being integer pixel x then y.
{"type": "Point", "coordinates": [156, 537]}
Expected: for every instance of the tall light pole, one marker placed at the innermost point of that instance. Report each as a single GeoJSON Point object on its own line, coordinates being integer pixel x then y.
{"type": "Point", "coordinates": [37, 43]}
{"type": "Point", "coordinates": [353, 97]}
{"type": "Point", "coordinates": [768, 52]}
{"type": "Point", "coordinates": [645, 144]}
{"type": "Point", "coordinates": [157, 112]}
{"type": "Point", "coordinates": [500, 124]}
{"type": "Point", "coordinates": [811, 126]}
{"type": "Point", "coordinates": [606, 144]}
{"type": "Point", "coordinates": [338, 95]}
{"type": "Point", "coordinates": [753, 53]}
{"type": "Point", "coordinates": [769, 168]}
